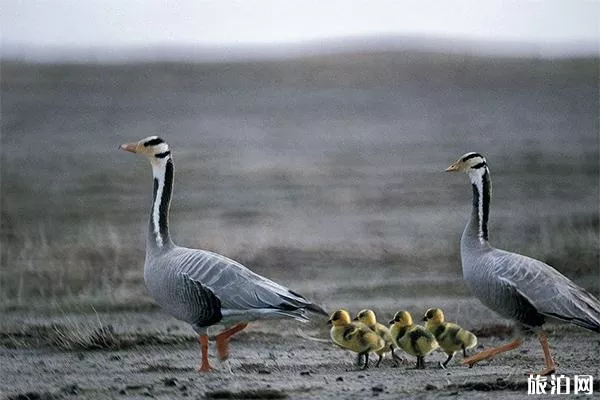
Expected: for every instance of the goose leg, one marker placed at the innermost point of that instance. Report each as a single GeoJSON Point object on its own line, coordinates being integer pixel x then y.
{"type": "Point", "coordinates": [222, 340]}
{"type": "Point", "coordinates": [397, 359]}
{"type": "Point", "coordinates": [445, 363]}
{"type": "Point", "coordinates": [204, 366]}
{"type": "Point", "coordinates": [366, 361]}
{"type": "Point", "coordinates": [550, 365]}
{"type": "Point", "coordinates": [359, 360]}
{"type": "Point", "coordinates": [489, 353]}
{"type": "Point", "coordinates": [420, 362]}
{"type": "Point", "coordinates": [379, 360]}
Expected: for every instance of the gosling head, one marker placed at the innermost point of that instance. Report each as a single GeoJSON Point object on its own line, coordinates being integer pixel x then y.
{"type": "Point", "coordinates": [339, 318]}
{"type": "Point", "coordinates": [402, 318]}
{"type": "Point", "coordinates": [434, 316]}
{"type": "Point", "coordinates": [367, 317]}
{"type": "Point", "coordinates": [153, 147]}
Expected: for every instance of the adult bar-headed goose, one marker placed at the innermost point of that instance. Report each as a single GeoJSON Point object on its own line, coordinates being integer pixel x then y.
{"type": "Point", "coordinates": [200, 287]}
{"type": "Point", "coordinates": [517, 287]}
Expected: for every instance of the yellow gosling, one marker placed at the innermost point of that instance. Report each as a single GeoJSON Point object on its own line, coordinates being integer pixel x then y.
{"type": "Point", "coordinates": [451, 337]}
{"type": "Point", "coordinates": [368, 318]}
{"type": "Point", "coordinates": [413, 339]}
{"type": "Point", "coordinates": [354, 336]}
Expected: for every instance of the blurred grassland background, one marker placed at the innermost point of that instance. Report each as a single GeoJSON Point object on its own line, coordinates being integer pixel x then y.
{"type": "Point", "coordinates": [324, 173]}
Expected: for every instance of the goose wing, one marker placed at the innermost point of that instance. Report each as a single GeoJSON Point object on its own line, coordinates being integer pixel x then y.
{"type": "Point", "coordinates": [550, 292]}
{"type": "Point", "coordinates": [239, 290]}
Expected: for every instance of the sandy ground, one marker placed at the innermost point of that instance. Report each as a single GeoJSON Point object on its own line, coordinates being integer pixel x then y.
{"type": "Point", "coordinates": [268, 360]}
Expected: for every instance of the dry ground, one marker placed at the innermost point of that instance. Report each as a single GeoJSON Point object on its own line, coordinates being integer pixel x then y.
{"type": "Point", "coordinates": [148, 354]}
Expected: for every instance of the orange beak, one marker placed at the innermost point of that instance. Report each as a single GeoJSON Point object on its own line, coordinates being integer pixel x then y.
{"type": "Point", "coordinates": [130, 147]}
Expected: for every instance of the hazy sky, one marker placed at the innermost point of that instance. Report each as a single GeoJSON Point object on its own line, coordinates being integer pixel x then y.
{"type": "Point", "coordinates": [133, 22]}
{"type": "Point", "coordinates": [114, 24]}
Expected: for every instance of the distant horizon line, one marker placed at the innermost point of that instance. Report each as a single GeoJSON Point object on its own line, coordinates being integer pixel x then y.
{"type": "Point", "coordinates": [240, 52]}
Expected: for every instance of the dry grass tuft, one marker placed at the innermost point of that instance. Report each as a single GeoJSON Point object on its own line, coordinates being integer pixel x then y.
{"type": "Point", "coordinates": [86, 335]}
{"type": "Point", "coordinates": [94, 263]}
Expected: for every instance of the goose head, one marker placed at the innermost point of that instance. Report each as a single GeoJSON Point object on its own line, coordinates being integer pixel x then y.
{"type": "Point", "coordinates": [468, 162]}
{"type": "Point", "coordinates": [402, 318]}
{"type": "Point", "coordinates": [339, 318]}
{"type": "Point", "coordinates": [474, 164]}
{"type": "Point", "coordinates": [153, 147]}
{"type": "Point", "coordinates": [434, 315]}
{"type": "Point", "coordinates": [367, 317]}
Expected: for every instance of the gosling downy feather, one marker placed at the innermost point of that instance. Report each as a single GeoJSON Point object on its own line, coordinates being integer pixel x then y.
{"type": "Point", "coordinates": [451, 337]}
{"type": "Point", "coordinates": [354, 336]}
{"type": "Point", "coordinates": [200, 287]}
{"type": "Point", "coordinates": [517, 287]}
{"type": "Point", "coordinates": [413, 339]}
{"type": "Point", "coordinates": [368, 318]}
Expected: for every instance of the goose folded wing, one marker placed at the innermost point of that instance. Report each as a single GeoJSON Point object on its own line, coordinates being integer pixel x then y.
{"type": "Point", "coordinates": [550, 292]}
{"type": "Point", "coordinates": [237, 287]}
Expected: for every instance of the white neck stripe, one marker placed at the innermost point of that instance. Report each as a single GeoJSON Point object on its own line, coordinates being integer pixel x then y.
{"type": "Point", "coordinates": [159, 175]}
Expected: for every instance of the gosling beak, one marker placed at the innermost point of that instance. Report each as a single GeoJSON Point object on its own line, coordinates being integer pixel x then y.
{"type": "Point", "coordinates": [355, 319]}
{"type": "Point", "coordinates": [391, 322]}
{"type": "Point", "coordinates": [130, 147]}
{"type": "Point", "coordinates": [328, 322]}
{"type": "Point", "coordinates": [424, 318]}
{"type": "Point", "coordinates": [454, 167]}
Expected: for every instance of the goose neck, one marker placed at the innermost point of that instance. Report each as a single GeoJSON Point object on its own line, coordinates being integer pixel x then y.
{"type": "Point", "coordinates": [476, 230]}
{"type": "Point", "coordinates": [158, 230]}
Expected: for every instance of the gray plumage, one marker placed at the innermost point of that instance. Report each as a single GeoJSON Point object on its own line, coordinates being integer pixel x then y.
{"type": "Point", "coordinates": [204, 288]}
{"type": "Point", "coordinates": [515, 286]}
{"type": "Point", "coordinates": [197, 286]}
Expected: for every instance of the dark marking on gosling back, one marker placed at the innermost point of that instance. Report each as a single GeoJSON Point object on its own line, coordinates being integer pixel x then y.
{"type": "Point", "coordinates": [453, 333]}
{"type": "Point", "coordinates": [414, 336]}
{"type": "Point", "coordinates": [362, 338]}
{"type": "Point", "coordinates": [347, 332]}
{"type": "Point", "coordinates": [401, 332]}
{"type": "Point", "coordinates": [439, 331]}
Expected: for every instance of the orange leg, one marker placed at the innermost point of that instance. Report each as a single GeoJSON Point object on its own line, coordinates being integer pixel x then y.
{"type": "Point", "coordinates": [489, 353]}
{"type": "Point", "coordinates": [222, 340]}
{"type": "Point", "coordinates": [550, 365]}
{"type": "Point", "coordinates": [204, 366]}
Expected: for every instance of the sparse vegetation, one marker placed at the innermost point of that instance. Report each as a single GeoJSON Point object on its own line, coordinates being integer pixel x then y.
{"type": "Point", "coordinates": [332, 160]}
{"type": "Point", "coordinates": [89, 335]}
{"type": "Point", "coordinates": [97, 266]}
{"type": "Point", "coordinates": [324, 174]}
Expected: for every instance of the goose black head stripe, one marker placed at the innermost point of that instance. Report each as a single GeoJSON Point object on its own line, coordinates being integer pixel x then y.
{"type": "Point", "coordinates": [201, 287]}
{"type": "Point", "coordinates": [517, 287]}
